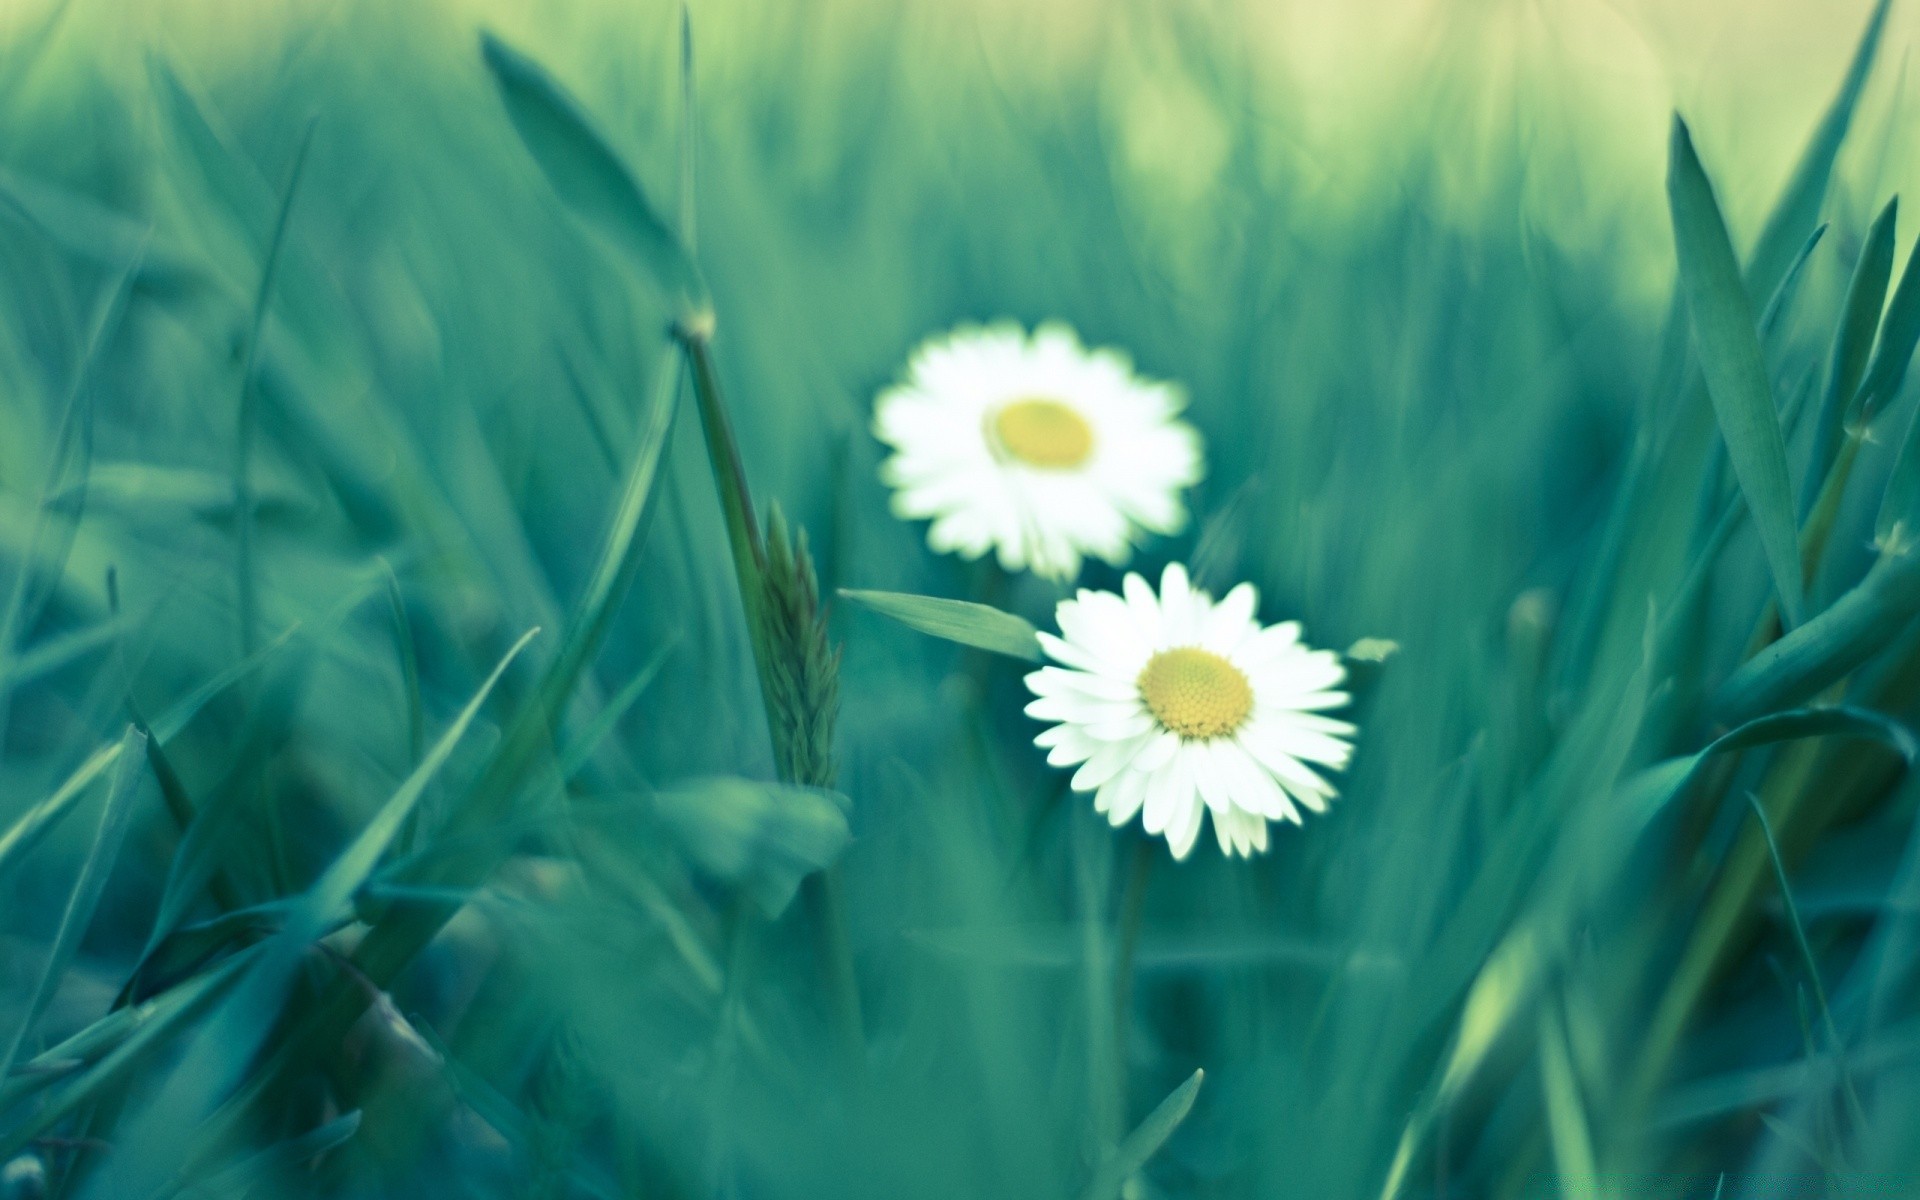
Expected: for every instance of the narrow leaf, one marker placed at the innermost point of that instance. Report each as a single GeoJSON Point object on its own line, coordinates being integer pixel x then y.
{"type": "Point", "coordinates": [1899, 332]}
{"type": "Point", "coordinates": [960, 621]}
{"type": "Point", "coordinates": [1852, 342]}
{"type": "Point", "coordinates": [1781, 302]}
{"type": "Point", "coordinates": [1853, 629]}
{"type": "Point", "coordinates": [1144, 1142]}
{"type": "Point", "coordinates": [1733, 366]}
{"type": "Point", "coordinates": [589, 177]}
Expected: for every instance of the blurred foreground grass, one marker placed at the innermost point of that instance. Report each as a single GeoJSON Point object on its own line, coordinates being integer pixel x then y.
{"type": "Point", "coordinates": [318, 399]}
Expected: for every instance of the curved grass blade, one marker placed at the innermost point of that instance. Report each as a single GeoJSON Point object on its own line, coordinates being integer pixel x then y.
{"type": "Point", "coordinates": [1145, 1141]}
{"type": "Point", "coordinates": [1852, 343]}
{"type": "Point", "coordinates": [1799, 206]}
{"type": "Point", "coordinates": [1853, 629]}
{"type": "Point", "coordinates": [1728, 345]}
{"type": "Point", "coordinates": [589, 177]}
{"type": "Point", "coordinates": [970, 624]}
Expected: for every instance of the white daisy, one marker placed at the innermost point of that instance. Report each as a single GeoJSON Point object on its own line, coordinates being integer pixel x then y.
{"type": "Point", "coordinates": [1035, 447]}
{"type": "Point", "coordinates": [1176, 705]}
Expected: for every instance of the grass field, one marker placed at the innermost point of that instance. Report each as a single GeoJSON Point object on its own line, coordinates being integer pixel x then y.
{"type": "Point", "coordinates": [437, 757]}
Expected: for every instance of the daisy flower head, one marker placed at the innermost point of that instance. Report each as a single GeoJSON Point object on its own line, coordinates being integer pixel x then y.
{"type": "Point", "coordinates": [1177, 705]}
{"type": "Point", "coordinates": [1036, 448]}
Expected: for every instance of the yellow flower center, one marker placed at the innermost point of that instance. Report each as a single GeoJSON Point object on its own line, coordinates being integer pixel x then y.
{"type": "Point", "coordinates": [1196, 693]}
{"type": "Point", "coordinates": [1042, 433]}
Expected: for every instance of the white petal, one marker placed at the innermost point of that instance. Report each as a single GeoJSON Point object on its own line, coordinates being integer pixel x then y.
{"type": "Point", "coordinates": [1180, 836]}
{"type": "Point", "coordinates": [1169, 787]}
{"type": "Point", "coordinates": [1108, 761]}
{"type": "Point", "coordinates": [1123, 795]}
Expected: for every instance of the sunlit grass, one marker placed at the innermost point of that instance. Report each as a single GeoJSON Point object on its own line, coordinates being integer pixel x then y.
{"type": "Point", "coordinates": [341, 351]}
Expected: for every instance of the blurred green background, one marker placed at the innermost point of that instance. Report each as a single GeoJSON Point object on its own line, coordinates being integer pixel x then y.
{"type": "Point", "coordinates": [1412, 263]}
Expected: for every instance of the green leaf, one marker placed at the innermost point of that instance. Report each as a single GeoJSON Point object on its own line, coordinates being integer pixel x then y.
{"type": "Point", "coordinates": [1570, 1133]}
{"type": "Point", "coordinates": [761, 837]}
{"type": "Point", "coordinates": [1852, 342]}
{"type": "Point", "coordinates": [1728, 344]}
{"type": "Point", "coordinates": [1899, 332]}
{"type": "Point", "coordinates": [1783, 296]}
{"type": "Point", "coordinates": [1652, 789]}
{"type": "Point", "coordinates": [1144, 1142]}
{"type": "Point", "coordinates": [595, 185]}
{"type": "Point", "coordinates": [962, 621]}
{"type": "Point", "coordinates": [1853, 629]}
{"type": "Point", "coordinates": [1799, 206]}
{"type": "Point", "coordinates": [110, 1049]}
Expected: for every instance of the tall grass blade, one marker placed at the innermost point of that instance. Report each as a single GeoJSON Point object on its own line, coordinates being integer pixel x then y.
{"type": "Point", "coordinates": [1852, 343]}
{"type": "Point", "coordinates": [1893, 354]}
{"type": "Point", "coordinates": [1829, 647]}
{"type": "Point", "coordinates": [589, 177]}
{"type": "Point", "coordinates": [1731, 360]}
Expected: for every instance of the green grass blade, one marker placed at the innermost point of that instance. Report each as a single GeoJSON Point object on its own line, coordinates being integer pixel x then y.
{"type": "Point", "coordinates": [87, 889]}
{"type": "Point", "coordinates": [1728, 345]}
{"type": "Point", "coordinates": [1852, 343]}
{"type": "Point", "coordinates": [1899, 333]}
{"type": "Point", "coordinates": [589, 177]}
{"type": "Point", "coordinates": [1854, 628]}
{"type": "Point", "coordinates": [1144, 1142]}
{"type": "Point", "coordinates": [970, 624]}
{"type": "Point", "coordinates": [1799, 206]}
{"type": "Point", "coordinates": [1781, 302]}
{"type": "Point", "coordinates": [581, 749]}
{"type": "Point", "coordinates": [1567, 1127]}
{"type": "Point", "coordinates": [331, 896]}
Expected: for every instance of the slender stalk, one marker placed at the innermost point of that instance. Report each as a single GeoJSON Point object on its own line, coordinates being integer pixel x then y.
{"type": "Point", "coordinates": [820, 892]}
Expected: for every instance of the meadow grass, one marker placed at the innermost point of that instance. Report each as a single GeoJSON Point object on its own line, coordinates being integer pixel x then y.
{"type": "Point", "coordinates": [470, 725]}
